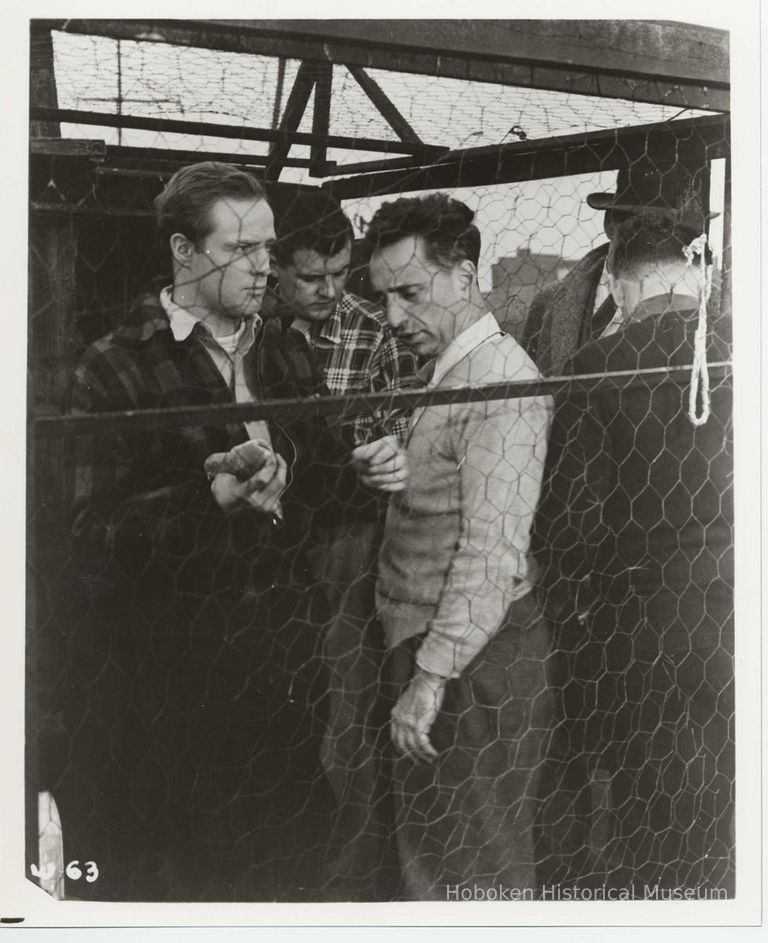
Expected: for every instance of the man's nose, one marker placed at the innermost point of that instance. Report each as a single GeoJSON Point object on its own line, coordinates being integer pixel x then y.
{"type": "Point", "coordinates": [259, 262]}
{"type": "Point", "coordinates": [395, 314]}
{"type": "Point", "coordinates": [327, 287]}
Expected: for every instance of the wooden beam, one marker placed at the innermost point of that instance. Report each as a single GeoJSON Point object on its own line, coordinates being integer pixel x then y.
{"type": "Point", "coordinates": [294, 112]}
{"type": "Point", "coordinates": [321, 117]}
{"type": "Point", "coordinates": [53, 260]}
{"type": "Point", "coordinates": [692, 139]}
{"type": "Point", "coordinates": [125, 155]}
{"type": "Point", "coordinates": [633, 48]}
{"type": "Point", "coordinates": [179, 157]}
{"type": "Point", "coordinates": [209, 129]}
{"type": "Point", "coordinates": [726, 285]}
{"type": "Point", "coordinates": [67, 147]}
{"type": "Point", "coordinates": [278, 93]}
{"type": "Point", "coordinates": [142, 155]}
{"type": "Point", "coordinates": [638, 60]}
{"type": "Point", "coordinates": [369, 166]}
{"type": "Point", "coordinates": [42, 208]}
{"type": "Point", "coordinates": [42, 80]}
{"type": "Point", "coordinates": [386, 107]}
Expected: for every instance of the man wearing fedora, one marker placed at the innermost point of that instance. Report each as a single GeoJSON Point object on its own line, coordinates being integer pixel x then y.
{"type": "Point", "coordinates": [634, 533]}
{"type": "Point", "coordinates": [565, 316]}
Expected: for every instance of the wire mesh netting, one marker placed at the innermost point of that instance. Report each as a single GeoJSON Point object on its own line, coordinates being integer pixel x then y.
{"type": "Point", "coordinates": [253, 678]}
{"type": "Point", "coordinates": [143, 78]}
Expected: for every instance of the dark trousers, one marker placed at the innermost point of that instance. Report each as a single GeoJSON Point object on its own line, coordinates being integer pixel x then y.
{"type": "Point", "coordinates": [467, 820]}
{"type": "Point", "coordinates": [639, 786]}
{"type": "Point", "coordinates": [194, 771]}
{"type": "Point", "coordinates": [360, 863]}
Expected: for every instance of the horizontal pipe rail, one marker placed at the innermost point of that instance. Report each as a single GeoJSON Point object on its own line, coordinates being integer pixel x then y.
{"type": "Point", "coordinates": [344, 407]}
{"type": "Point", "coordinates": [241, 132]}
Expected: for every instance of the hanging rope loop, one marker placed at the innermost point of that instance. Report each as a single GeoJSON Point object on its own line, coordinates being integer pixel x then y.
{"type": "Point", "coordinates": [700, 371]}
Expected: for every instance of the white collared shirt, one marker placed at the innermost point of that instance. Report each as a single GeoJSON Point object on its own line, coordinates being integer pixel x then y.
{"type": "Point", "coordinates": [461, 345]}
{"type": "Point", "coordinates": [234, 345]}
{"type": "Point", "coordinates": [182, 321]}
{"type": "Point", "coordinates": [615, 324]}
{"type": "Point", "coordinates": [603, 290]}
{"type": "Point", "coordinates": [227, 356]}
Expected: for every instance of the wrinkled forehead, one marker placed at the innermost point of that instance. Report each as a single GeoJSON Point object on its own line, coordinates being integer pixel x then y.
{"type": "Point", "coordinates": [402, 262]}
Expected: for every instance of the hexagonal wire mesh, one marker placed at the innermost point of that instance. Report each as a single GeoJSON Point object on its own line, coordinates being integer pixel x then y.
{"type": "Point", "coordinates": [210, 695]}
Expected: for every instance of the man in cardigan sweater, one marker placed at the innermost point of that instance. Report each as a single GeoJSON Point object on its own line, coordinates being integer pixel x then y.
{"type": "Point", "coordinates": [466, 642]}
{"type": "Point", "coordinates": [192, 576]}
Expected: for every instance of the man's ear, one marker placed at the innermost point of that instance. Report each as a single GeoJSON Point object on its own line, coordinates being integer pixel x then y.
{"type": "Point", "coordinates": [467, 272]}
{"type": "Point", "coordinates": [182, 249]}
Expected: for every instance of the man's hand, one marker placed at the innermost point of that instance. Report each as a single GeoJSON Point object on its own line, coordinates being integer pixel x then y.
{"type": "Point", "coordinates": [414, 714]}
{"type": "Point", "coordinates": [261, 492]}
{"type": "Point", "coordinates": [382, 464]}
{"type": "Point", "coordinates": [242, 461]}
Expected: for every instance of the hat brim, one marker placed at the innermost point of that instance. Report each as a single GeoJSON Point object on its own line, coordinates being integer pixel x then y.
{"type": "Point", "coordinates": [600, 201]}
{"type": "Point", "coordinates": [605, 201]}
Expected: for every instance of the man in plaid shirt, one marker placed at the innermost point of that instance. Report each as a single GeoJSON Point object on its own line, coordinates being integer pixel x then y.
{"type": "Point", "coordinates": [350, 337]}
{"type": "Point", "coordinates": [357, 353]}
{"type": "Point", "coordinates": [186, 572]}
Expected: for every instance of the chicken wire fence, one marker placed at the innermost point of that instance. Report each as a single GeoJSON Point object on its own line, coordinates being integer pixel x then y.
{"type": "Point", "coordinates": [209, 697]}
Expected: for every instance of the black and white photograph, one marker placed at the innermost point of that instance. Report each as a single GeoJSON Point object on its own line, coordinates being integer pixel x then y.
{"type": "Point", "coordinates": [385, 429]}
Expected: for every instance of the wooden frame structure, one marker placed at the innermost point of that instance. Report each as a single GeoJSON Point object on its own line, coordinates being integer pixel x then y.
{"type": "Point", "coordinates": [642, 61]}
{"type": "Point", "coordinates": [639, 61]}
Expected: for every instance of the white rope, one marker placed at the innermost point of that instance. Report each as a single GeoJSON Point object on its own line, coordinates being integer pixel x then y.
{"type": "Point", "coordinates": [700, 371]}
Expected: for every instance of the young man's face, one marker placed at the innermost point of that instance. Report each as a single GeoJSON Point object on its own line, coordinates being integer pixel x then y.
{"type": "Point", "coordinates": [311, 284]}
{"type": "Point", "coordinates": [228, 270]}
{"type": "Point", "coordinates": [425, 304]}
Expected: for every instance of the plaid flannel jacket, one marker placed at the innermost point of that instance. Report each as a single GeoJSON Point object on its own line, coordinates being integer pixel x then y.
{"type": "Point", "coordinates": [357, 353]}
{"type": "Point", "coordinates": [142, 498]}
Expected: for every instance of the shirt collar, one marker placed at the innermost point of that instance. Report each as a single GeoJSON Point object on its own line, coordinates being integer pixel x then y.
{"type": "Point", "coordinates": [301, 326]}
{"type": "Point", "coordinates": [461, 345]}
{"type": "Point", "coordinates": [329, 329]}
{"type": "Point", "coordinates": [660, 304]}
{"type": "Point", "coordinates": [183, 322]}
{"type": "Point", "coordinates": [615, 324]}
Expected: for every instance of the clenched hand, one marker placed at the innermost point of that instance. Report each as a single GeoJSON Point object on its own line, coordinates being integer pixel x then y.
{"type": "Point", "coordinates": [414, 714]}
{"type": "Point", "coordinates": [382, 464]}
{"type": "Point", "coordinates": [261, 492]}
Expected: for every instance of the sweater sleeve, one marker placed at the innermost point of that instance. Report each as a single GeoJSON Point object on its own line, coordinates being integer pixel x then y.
{"type": "Point", "coordinates": [500, 449]}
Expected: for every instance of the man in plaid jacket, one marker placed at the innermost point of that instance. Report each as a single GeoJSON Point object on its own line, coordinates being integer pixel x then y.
{"type": "Point", "coordinates": [357, 353]}
{"type": "Point", "coordinates": [194, 574]}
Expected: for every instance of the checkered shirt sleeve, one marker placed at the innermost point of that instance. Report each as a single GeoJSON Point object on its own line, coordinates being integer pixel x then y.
{"type": "Point", "coordinates": [368, 359]}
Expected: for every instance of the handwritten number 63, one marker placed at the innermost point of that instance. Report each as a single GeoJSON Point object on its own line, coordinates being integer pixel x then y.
{"type": "Point", "coordinates": [73, 871]}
